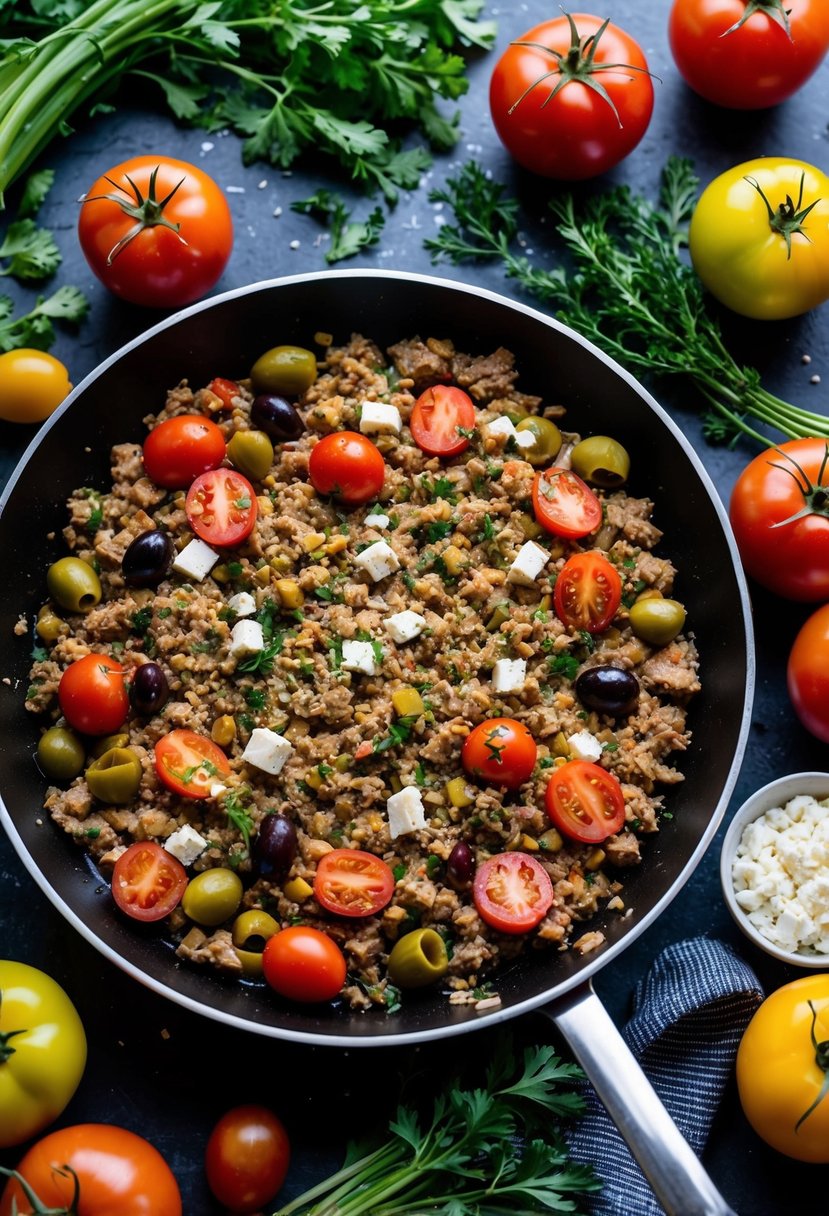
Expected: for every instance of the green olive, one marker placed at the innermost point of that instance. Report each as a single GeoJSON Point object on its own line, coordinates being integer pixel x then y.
{"type": "Point", "coordinates": [251, 453]}
{"type": "Point", "coordinates": [657, 621]}
{"type": "Point", "coordinates": [60, 753]}
{"type": "Point", "coordinates": [115, 776]}
{"type": "Point", "coordinates": [212, 896]}
{"type": "Point", "coordinates": [546, 436]}
{"type": "Point", "coordinates": [50, 626]}
{"type": "Point", "coordinates": [601, 462]}
{"type": "Point", "coordinates": [418, 959]}
{"type": "Point", "coordinates": [121, 739]}
{"type": "Point", "coordinates": [284, 369]}
{"type": "Point", "coordinates": [250, 931]}
{"type": "Point", "coordinates": [73, 584]}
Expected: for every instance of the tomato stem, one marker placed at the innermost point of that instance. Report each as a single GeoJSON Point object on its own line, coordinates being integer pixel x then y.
{"type": "Point", "coordinates": [147, 212]}
{"type": "Point", "coordinates": [789, 216]}
{"type": "Point", "coordinates": [822, 1061]}
{"type": "Point", "coordinates": [38, 1207]}
{"type": "Point", "coordinates": [815, 494]}
{"type": "Point", "coordinates": [773, 9]}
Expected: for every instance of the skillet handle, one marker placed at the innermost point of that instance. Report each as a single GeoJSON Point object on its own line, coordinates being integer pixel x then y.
{"type": "Point", "coordinates": [667, 1160]}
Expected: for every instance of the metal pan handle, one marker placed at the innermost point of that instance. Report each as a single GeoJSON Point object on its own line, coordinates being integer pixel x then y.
{"type": "Point", "coordinates": [669, 1163]}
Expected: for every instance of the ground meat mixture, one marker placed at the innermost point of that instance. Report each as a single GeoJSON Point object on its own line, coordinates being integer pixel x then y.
{"type": "Point", "coordinates": [349, 742]}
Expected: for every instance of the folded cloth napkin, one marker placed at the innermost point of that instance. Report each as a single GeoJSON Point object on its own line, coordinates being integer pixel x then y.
{"type": "Point", "coordinates": [690, 1012]}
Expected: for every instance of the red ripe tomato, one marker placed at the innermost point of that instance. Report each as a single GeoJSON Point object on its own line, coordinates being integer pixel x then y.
{"type": "Point", "coordinates": [221, 507]}
{"type": "Point", "coordinates": [588, 592]}
{"type": "Point", "coordinates": [225, 390]}
{"type": "Point", "coordinates": [93, 695]}
{"type": "Point", "coordinates": [780, 515]}
{"type": "Point", "coordinates": [156, 231]}
{"type": "Point", "coordinates": [744, 56]}
{"type": "Point", "coordinates": [179, 449]}
{"type": "Point", "coordinates": [439, 418]}
{"type": "Point", "coordinates": [247, 1158]}
{"type": "Point", "coordinates": [188, 764]}
{"type": "Point", "coordinates": [303, 964]}
{"type": "Point", "coordinates": [347, 465]}
{"type": "Point", "coordinates": [546, 99]}
{"type": "Point", "coordinates": [808, 674]}
{"type": "Point", "coordinates": [350, 882]}
{"type": "Point", "coordinates": [147, 881]}
{"type": "Point", "coordinates": [585, 801]}
{"type": "Point", "coordinates": [512, 892]}
{"type": "Point", "coordinates": [500, 750]}
{"type": "Point", "coordinates": [564, 505]}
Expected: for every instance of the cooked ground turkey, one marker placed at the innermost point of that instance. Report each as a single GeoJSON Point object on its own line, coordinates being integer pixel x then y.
{"type": "Point", "coordinates": [478, 503]}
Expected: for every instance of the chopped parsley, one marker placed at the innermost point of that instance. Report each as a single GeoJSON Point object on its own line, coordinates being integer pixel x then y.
{"type": "Point", "coordinates": [565, 665]}
{"type": "Point", "coordinates": [399, 732]}
{"type": "Point", "coordinates": [236, 808]}
{"type": "Point", "coordinates": [255, 697]}
{"type": "Point", "coordinates": [140, 621]}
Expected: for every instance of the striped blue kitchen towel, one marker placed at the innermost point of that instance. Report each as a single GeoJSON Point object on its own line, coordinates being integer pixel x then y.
{"type": "Point", "coordinates": [690, 1012]}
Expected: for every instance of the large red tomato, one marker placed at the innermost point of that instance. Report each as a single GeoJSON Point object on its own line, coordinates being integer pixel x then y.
{"type": "Point", "coordinates": [780, 515]}
{"type": "Point", "coordinates": [572, 97]}
{"type": "Point", "coordinates": [748, 56]}
{"type": "Point", "coordinates": [808, 674]}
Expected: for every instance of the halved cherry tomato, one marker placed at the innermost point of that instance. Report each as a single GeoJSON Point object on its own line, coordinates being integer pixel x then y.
{"type": "Point", "coordinates": [148, 882]}
{"type": "Point", "coordinates": [180, 448]}
{"type": "Point", "coordinates": [351, 882]}
{"type": "Point", "coordinates": [188, 763]}
{"type": "Point", "coordinates": [564, 504]}
{"type": "Point", "coordinates": [303, 964]}
{"type": "Point", "coordinates": [221, 507]}
{"type": "Point", "coordinates": [93, 696]}
{"type": "Point", "coordinates": [588, 592]}
{"type": "Point", "coordinates": [500, 750]}
{"type": "Point", "coordinates": [225, 390]}
{"type": "Point", "coordinates": [348, 465]}
{"type": "Point", "coordinates": [512, 892]}
{"type": "Point", "coordinates": [585, 801]}
{"type": "Point", "coordinates": [439, 418]}
{"type": "Point", "coordinates": [247, 1158]}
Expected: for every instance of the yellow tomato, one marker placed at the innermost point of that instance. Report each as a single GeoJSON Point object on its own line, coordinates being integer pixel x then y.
{"type": "Point", "coordinates": [32, 385]}
{"type": "Point", "coordinates": [42, 1051]}
{"type": "Point", "coordinates": [759, 238]}
{"type": "Point", "coordinates": [782, 1064]}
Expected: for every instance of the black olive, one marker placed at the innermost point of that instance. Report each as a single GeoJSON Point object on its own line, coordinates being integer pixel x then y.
{"type": "Point", "coordinates": [608, 690]}
{"type": "Point", "coordinates": [276, 417]}
{"type": "Point", "coordinates": [149, 690]}
{"type": "Point", "coordinates": [460, 865]}
{"type": "Point", "coordinates": [276, 844]}
{"type": "Point", "coordinates": [148, 560]}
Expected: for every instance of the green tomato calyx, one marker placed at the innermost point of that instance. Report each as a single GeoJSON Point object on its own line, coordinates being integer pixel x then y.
{"type": "Point", "coordinates": [822, 1061]}
{"type": "Point", "coordinates": [815, 494]}
{"type": "Point", "coordinates": [773, 9]}
{"type": "Point", "coordinates": [37, 1205]}
{"type": "Point", "coordinates": [789, 216]}
{"type": "Point", "coordinates": [147, 212]}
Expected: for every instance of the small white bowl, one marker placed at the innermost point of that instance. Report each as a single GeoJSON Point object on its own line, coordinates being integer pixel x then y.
{"type": "Point", "coordinates": [776, 793]}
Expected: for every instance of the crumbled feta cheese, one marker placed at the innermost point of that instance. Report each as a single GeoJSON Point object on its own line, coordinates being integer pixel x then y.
{"type": "Point", "coordinates": [405, 811]}
{"type": "Point", "coordinates": [523, 439]}
{"type": "Point", "coordinates": [243, 604]}
{"type": "Point", "coordinates": [404, 626]}
{"type": "Point", "coordinates": [584, 746]}
{"type": "Point", "coordinates": [246, 637]}
{"type": "Point", "coordinates": [376, 520]}
{"type": "Point", "coordinates": [217, 789]}
{"type": "Point", "coordinates": [502, 426]}
{"type": "Point", "coordinates": [376, 418]}
{"type": "Point", "coordinates": [196, 560]}
{"type": "Point", "coordinates": [267, 750]}
{"type": "Point", "coordinates": [359, 656]}
{"type": "Point", "coordinates": [378, 560]}
{"type": "Point", "coordinates": [508, 675]}
{"type": "Point", "coordinates": [185, 845]}
{"type": "Point", "coordinates": [529, 563]}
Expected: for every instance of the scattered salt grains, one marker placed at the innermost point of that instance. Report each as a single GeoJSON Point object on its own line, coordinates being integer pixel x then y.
{"type": "Point", "coordinates": [207, 146]}
{"type": "Point", "coordinates": [294, 244]}
{"type": "Point", "coordinates": [277, 211]}
{"type": "Point", "coordinates": [235, 189]}
{"type": "Point", "coordinates": [805, 358]}
{"type": "Point", "coordinates": [262, 185]}
{"type": "Point", "coordinates": [814, 379]}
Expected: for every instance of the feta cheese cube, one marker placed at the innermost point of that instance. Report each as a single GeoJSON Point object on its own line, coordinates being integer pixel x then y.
{"type": "Point", "coordinates": [404, 626]}
{"type": "Point", "coordinates": [502, 426]}
{"type": "Point", "coordinates": [376, 520]}
{"type": "Point", "coordinates": [267, 750]}
{"type": "Point", "coordinates": [405, 811]}
{"type": "Point", "coordinates": [243, 604]}
{"type": "Point", "coordinates": [246, 637]}
{"type": "Point", "coordinates": [529, 563]}
{"type": "Point", "coordinates": [378, 560]}
{"type": "Point", "coordinates": [508, 675]}
{"type": "Point", "coordinates": [523, 439]}
{"type": "Point", "coordinates": [377, 418]}
{"type": "Point", "coordinates": [185, 845]}
{"type": "Point", "coordinates": [584, 746]}
{"type": "Point", "coordinates": [359, 656]}
{"type": "Point", "coordinates": [196, 560]}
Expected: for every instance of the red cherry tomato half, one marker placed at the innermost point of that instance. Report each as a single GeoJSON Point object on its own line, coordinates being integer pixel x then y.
{"type": "Point", "coordinates": [221, 507]}
{"type": "Point", "coordinates": [585, 801]}
{"type": "Point", "coordinates": [439, 418]}
{"type": "Point", "coordinates": [564, 505]}
{"type": "Point", "coordinates": [247, 1158]}
{"type": "Point", "coordinates": [225, 390]}
{"type": "Point", "coordinates": [180, 448]}
{"type": "Point", "coordinates": [808, 674]}
{"type": "Point", "coordinates": [347, 465]}
{"type": "Point", "coordinates": [303, 964]}
{"type": "Point", "coordinates": [512, 892]}
{"type": "Point", "coordinates": [350, 882]}
{"type": "Point", "coordinates": [188, 764]}
{"type": "Point", "coordinates": [588, 592]}
{"type": "Point", "coordinates": [93, 696]}
{"type": "Point", "coordinates": [500, 750]}
{"type": "Point", "coordinates": [148, 882]}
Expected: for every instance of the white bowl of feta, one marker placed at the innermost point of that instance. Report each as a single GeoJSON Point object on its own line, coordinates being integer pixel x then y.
{"type": "Point", "coordinates": [774, 869]}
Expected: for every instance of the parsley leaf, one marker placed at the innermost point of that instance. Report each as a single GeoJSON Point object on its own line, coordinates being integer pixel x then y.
{"type": "Point", "coordinates": [348, 236]}
{"type": "Point", "coordinates": [35, 328]}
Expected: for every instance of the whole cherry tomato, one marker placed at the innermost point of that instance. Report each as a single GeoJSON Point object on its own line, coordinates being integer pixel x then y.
{"type": "Point", "coordinates": [303, 964]}
{"type": "Point", "coordinates": [500, 750]}
{"type": "Point", "coordinates": [347, 465]}
{"type": "Point", "coordinates": [93, 695]}
{"type": "Point", "coordinates": [808, 674]}
{"type": "Point", "coordinates": [247, 1158]}
{"type": "Point", "coordinates": [180, 448]}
